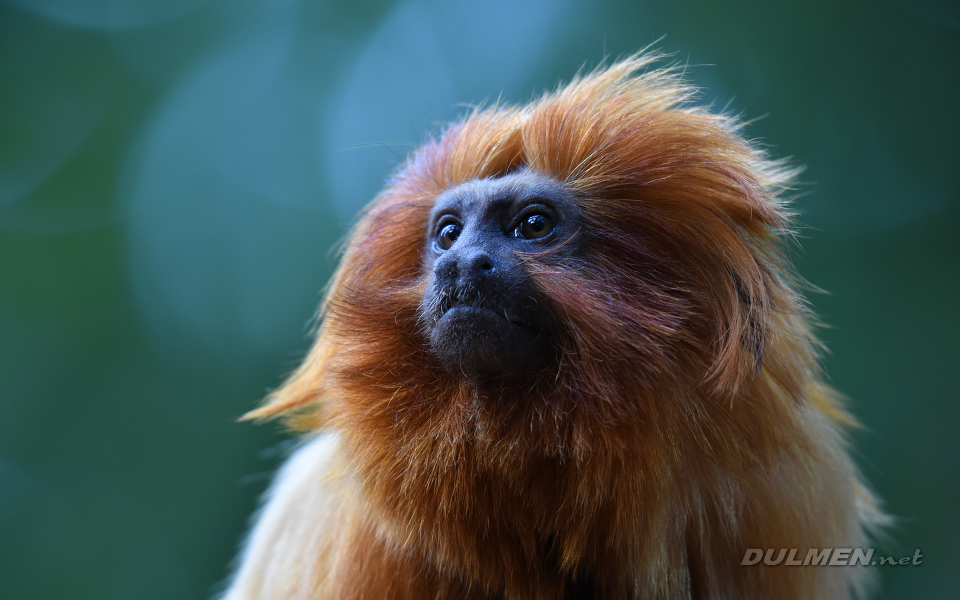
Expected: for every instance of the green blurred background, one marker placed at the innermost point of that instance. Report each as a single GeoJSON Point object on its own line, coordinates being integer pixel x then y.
{"type": "Point", "coordinates": [174, 174]}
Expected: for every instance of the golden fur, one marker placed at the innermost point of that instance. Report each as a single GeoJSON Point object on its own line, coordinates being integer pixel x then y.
{"type": "Point", "coordinates": [685, 421]}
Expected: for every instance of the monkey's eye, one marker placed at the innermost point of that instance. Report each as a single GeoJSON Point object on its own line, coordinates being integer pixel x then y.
{"type": "Point", "coordinates": [448, 235]}
{"type": "Point", "coordinates": [534, 227]}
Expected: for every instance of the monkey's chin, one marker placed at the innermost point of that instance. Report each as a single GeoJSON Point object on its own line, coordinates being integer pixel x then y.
{"type": "Point", "coordinates": [478, 342]}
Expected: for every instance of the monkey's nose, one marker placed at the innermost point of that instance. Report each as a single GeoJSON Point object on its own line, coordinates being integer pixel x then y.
{"type": "Point", "coordinates": [465, 268]}
{"type": "Point", "coordinates": [478, 263]}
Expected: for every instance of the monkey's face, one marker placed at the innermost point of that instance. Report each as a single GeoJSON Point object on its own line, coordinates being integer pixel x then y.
{"type": "Point", "coordinates": [482, 311]}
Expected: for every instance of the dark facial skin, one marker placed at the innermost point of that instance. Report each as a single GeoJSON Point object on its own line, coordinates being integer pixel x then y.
{"type": "Point", "coordinates": [482, 312]}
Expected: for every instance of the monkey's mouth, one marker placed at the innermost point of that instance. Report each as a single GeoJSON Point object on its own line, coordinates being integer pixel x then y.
{"type": "Point", "coordinates": [477, 332]}
{"type": "Point", "coordinates": [473, 305]}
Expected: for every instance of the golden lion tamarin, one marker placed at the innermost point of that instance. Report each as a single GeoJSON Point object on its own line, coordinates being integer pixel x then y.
{"type": "Point", "coordinates": [563, 356]}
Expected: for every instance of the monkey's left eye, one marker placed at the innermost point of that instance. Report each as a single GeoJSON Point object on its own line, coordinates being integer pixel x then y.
{"type": "Point", "coordinates": [534, 227]}
{"type": "Point", "coordinates": [448, 235]}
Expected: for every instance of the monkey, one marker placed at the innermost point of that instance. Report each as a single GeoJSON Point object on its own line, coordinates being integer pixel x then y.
{"type": "Point", "coordinates": [564, 356]}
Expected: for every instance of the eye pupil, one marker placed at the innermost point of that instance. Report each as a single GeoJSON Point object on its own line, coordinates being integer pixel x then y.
{"type": "Point", "coordinates": [534, 227]}
{"type": "Point", "coordinates": [448, 235]}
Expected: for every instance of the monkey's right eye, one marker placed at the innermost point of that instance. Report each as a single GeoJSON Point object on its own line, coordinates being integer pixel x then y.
{"type": "Point", "coordinates": [448, 235]}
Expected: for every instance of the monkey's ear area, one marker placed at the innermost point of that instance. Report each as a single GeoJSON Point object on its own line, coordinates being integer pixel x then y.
{"type": "Point", "coordinates": [373, 291]}
{"type": "Point", "coordinates": [743, 331]}
{"type": "Point", "coordinates": [747, 271]}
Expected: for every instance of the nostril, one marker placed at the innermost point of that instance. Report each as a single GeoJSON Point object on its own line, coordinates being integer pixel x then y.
{"type": "Point", "coordinates": [480, 262]}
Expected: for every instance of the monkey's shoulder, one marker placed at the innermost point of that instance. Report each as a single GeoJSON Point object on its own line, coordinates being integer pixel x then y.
{"type": "Point", "coordinates": [280, 556]}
